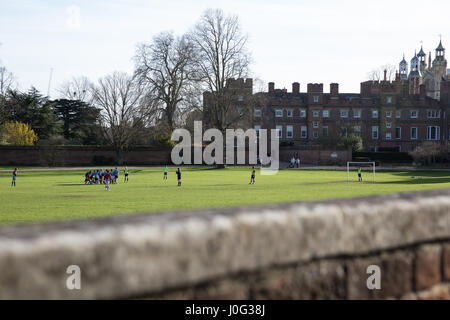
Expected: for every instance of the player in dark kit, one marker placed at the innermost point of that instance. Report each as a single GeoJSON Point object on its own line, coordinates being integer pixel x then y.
{"type": "Point", "coordinates": [252, 178]}
{"type": "Point", "coordinates": [14, 177]}
{"type": "Point", "coordinates": [179, 176]}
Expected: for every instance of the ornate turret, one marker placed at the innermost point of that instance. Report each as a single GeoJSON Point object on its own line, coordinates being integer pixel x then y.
{"type": "Point", "coordinates": [403, 67]}
{"type": "Point", "coordinates": [440, 52]}
{"type": "Point", "coordinates": [422, 60]}
{"type": "Point", "coordinates": [415, 71]}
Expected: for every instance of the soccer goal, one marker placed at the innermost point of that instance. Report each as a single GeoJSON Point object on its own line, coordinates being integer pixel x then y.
{"type": "Point", "coordinates": [357, 165]}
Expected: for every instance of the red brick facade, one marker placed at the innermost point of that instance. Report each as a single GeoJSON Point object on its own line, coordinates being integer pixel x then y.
{"type": "Point", "coordinates": [384, 113]}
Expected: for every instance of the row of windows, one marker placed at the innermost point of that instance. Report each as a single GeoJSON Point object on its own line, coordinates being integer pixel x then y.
{"type": "Point", "coordinates": [344, 113]}
{"type": "Point", "coordinates": [433, 132]}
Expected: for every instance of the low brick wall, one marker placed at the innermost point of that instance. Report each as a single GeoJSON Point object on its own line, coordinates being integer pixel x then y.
{"type": "Point", "coordinates": [317, 156]}
{"type": "Point", "coordinates": [288, 251]}
{"type": "Point", "coordinates": [85, 155]}
{"type": "Point", "coordinates": [79, 155]}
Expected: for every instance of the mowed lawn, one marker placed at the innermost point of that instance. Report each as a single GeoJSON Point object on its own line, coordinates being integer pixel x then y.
{"type": "Point", "coordinates": [61, 194]}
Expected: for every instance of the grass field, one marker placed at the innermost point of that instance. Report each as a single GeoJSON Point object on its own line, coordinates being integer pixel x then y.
{"type": "Point", "coordinates": [61, 194]}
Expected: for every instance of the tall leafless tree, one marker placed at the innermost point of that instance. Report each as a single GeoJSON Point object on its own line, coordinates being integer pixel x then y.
{"type": "Point", "coordinates": [378, 74]}
{"type": "Point", "coordinates": [221, 54]}
{"type": "Point", "coordinates": [165, 66]}
{"type": "Point", "coordinates": [79, 88]}
{"type": "Point", "coordinates": [7, 81]}
{"type": "Point", "coordinates": [126, 109]}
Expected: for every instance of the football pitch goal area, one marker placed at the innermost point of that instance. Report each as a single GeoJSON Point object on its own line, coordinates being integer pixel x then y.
{"type": "Point", "coordinates": [355, 165]}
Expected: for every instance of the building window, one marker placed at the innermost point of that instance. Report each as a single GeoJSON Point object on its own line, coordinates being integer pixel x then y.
{"type": "Point", "coordinates": [325, 114]}
{"type": "Point", "coordinates": [240, 98]}
{"type": "Point", "coordinates": [279, 113]}
{"type": "Point", "coordinates": [388, 125]}
{"type": "Point", "coordinates": [316, 99]}
{"type": "Point", "coordinates": [289, 132]}
{"type": "Point", "coordinates": [414, 114]}
{"type": "Point", "coordinates": [316, 124]}
{"type": "Point", "coordinates": [344, 113]}
{"type": "Point", "coordinates": [325, 131]}
{"type": "Point", "coordinates": [240, 111]}
{"type": "Point", "coordinates": [388, 136]}
{"type": "Point", "coordinates": [374, 113]}
{"type": "Point", "coordinates": [279, 132]}
{"type": "Point", "coordinates": [398, 133]}
{"type": "Point", "coordinates": [398, 114]}
{"type": "Point", "coordinates": [257, 112]}
{"type": "Point", "coordinates": [344, 131]}
{"type": "Point", "coordinates": [315, 134]}
{"type": "Point", "coordinates": [389, 100]}
{"type": "Point", "coordinates": [304, 132]}
{"type": "Point", "coordinates": [374, 132]}
{"type": "Point", "coordinates": [388, 114]}
{"type": "Point", "coordinates": [413, 133]}
{"type": "Point", "coordinates": [315, 113]}
{"type": "Point", "coordinates": [303, 113]}
{"type": "Point", "coordinates": [434, 114]}
{"type": "Point", "coordinates": [357, 130]}
{"type": "Point", "coordinates": [433, 133]}
{"type": "Point", "coordinates": [289, 113]}
{"type": "Point", "coordinates": [357, 113]}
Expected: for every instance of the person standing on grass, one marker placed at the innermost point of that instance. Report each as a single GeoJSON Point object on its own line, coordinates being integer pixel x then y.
{"type": "Point", "coordinates": [125, 173]}
{"type": "Point", "coordinates": [115, 175]}
{"type": "Point", "coordinates": [14, 177]}
{"type": "Point", "coordinates": [107, 179]}
{"type": "Point", "coordinates": [359, 175]}
{"type": "Point", "coordinates": [179, 177]}
{"type": "Point", "coordinates": [252, 178]}
{"type": "Point", "coordinates": [165, 173]}
{"type": "Point", "coordinates": [297, 161]}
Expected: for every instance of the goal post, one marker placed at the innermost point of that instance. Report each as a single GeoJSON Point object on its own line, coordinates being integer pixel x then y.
{"type": "Point", "coordinates": [360, 164]}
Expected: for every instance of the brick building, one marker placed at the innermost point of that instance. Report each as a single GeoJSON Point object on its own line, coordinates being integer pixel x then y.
{"type": "Point", "coordinates": [383, 114]}
{"type": "Point", "coordinates": [397, 115]}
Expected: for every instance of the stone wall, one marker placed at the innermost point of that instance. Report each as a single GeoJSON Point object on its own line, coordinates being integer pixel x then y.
{"type": "Point", "coordinates": [317, 250]}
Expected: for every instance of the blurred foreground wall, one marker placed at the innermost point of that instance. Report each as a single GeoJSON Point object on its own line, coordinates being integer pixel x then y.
{"type": "Point", "coordinates": [288, 251]}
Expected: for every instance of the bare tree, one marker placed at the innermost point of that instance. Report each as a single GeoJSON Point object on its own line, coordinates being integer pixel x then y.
{"type": "Point", "coordinates": [221, 54]}
{"type": "Point", "coordinates": [378, 73]}
{"type": "Point", "coordinates": [7, 81]}
{"type": "Point", "coordinates": [126, 109]}
{"type": "Point", "coordinates": [79, 88]}
{"type": "Point", "coordinates": [166, 66]}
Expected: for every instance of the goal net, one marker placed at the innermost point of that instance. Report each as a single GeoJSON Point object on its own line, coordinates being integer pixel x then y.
{"type": "Point", "coordinates": [366, 167]}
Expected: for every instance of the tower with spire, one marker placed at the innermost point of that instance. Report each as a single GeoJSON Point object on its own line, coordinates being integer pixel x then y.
{"type": "Point", "coordinates": [422, 60]}
{"type": "Point", "coordinates": [403, 67]}
{"type": "Point", "coordinates": [420, 72]}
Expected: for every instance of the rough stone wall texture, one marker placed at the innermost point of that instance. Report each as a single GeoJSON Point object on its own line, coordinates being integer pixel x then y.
{"type": "Point", "coordinates": [287, 251]}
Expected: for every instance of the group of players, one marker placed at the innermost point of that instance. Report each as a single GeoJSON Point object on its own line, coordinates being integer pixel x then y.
{"type": "Point", "coordinates": [105, 177]}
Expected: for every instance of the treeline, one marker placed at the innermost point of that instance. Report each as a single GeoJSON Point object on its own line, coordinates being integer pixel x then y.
{"type": "Point", "coordinates": [164, 92]}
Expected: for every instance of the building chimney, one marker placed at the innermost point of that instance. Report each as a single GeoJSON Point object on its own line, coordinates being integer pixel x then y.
{"type": "Point", "coordinates": [334, 90]}
{"type": "Point", "coordinates": [295, 88]}
{"type": "Point", "coordinates": [271, 86]}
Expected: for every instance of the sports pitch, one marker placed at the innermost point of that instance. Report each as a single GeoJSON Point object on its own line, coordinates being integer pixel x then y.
{"type": "Point", "coordinates": [61, 194]}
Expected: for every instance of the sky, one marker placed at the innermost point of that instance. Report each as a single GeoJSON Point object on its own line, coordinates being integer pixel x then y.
{"type": "Point", "coordinates": [319, 41]}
